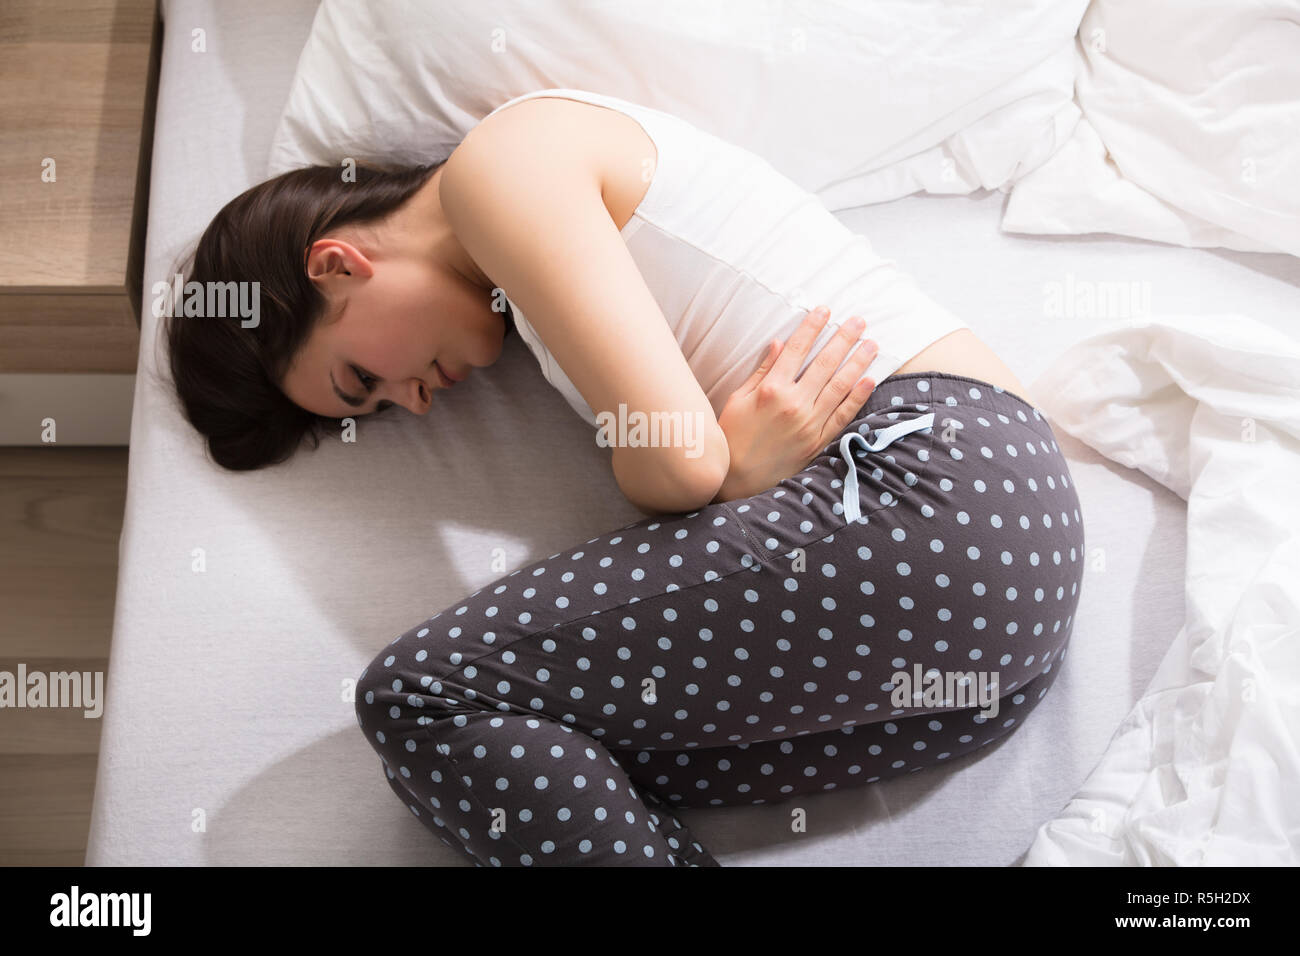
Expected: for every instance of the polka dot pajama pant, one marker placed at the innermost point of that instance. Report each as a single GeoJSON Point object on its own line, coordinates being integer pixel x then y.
{"type": "Point", "coordinates": [847, 625]}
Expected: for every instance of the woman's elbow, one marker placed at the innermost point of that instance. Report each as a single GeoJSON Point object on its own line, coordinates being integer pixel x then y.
{"type": "Point", "coordinates": [674, 482]}
{"type": "Point", "coordinates": [703, 476]}
{"type": "Point", "coordinates": [701, 483]}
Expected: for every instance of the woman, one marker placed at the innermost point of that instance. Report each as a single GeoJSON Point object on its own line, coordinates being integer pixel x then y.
{"type": "Point", "coordinates": [866, 562]}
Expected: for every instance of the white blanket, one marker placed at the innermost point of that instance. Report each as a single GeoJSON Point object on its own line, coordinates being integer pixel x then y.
{"type": "Point", "coordinates": [1206, 767]}
{"type": "Point", "coordinates": [1190, 131]}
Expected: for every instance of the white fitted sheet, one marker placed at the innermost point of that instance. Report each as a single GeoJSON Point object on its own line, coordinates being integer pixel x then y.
{"type": "Point", "coordinates": [226, 689]}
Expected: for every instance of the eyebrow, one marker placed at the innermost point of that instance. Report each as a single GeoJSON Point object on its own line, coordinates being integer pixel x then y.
{"type": "Point", "coordinates": [354, 402]}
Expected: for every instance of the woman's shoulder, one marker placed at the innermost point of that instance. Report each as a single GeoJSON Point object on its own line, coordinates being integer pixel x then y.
{"type": "Point", "coordinates": [561, 114]}
{"type": "Point", "coordinates": [620, 153]}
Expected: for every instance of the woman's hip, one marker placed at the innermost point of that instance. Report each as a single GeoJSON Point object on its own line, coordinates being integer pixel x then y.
{"type": "Point", "coordinates": [952, 520]}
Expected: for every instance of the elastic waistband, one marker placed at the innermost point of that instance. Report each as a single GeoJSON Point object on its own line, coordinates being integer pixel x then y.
{"type": "Point", "coordinates": [926, 389]}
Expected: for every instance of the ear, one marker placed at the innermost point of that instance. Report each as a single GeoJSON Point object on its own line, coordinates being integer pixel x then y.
{"type": "Point", "coordinates": [335, 257]}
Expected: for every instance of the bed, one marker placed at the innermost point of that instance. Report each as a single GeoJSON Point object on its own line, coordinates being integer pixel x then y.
{"type": "Point", "coordinates": [247, 603]}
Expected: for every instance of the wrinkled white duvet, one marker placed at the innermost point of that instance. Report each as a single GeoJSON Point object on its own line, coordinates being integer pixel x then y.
{"type": "Point", "coordinates": [1190, 131]}
{"type": "Point", "coordinates": [1206, 767]}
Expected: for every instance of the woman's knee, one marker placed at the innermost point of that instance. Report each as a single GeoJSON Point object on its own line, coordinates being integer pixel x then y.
{"type": "Point", "coordinates": [398, 675]}
{"type": "Point", "coordinates": [371, 696]}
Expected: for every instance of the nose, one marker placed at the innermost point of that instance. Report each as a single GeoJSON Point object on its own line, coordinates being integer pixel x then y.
{"type": "Point", "coordinates": [416, 397]}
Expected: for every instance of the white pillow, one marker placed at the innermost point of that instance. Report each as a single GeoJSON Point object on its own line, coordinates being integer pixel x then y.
{"type": "Point", "coordinates": [858, 103]}
{"type": "Point", "coordinates": [1191, 130]}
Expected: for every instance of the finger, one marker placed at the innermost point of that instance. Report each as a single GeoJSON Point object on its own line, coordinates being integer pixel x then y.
{"type": "Point", "coordinates": [797, 345]}
{"type": "Point", "coordinates": [821, 368]}
{"type": "Point", "coordinates": [751, 383]}
{"type": "Point", "coordinates": [845, 378]}
{"type": "Point", "coordinates": [842, 384]}
{"type": "Point", "coordinates": [847, 411]}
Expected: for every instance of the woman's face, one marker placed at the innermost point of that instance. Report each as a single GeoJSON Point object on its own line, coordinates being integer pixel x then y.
{"type": "Point", "coordinates": [409, 326]}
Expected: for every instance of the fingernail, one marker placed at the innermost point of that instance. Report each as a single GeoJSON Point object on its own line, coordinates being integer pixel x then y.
{"type": "Point", "coordinates": [821, 310]}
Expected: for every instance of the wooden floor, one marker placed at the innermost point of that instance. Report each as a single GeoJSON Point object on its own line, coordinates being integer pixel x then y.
{"type": "Point", "coordinates": [60, 518]}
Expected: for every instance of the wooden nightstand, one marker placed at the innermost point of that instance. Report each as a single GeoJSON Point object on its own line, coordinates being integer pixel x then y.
{"type": "Point", "coordinates": [77, 88]}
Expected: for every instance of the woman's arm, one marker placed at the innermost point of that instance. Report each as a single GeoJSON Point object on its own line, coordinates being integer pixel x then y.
{"type": "Point", "coordinates": [525, 201]}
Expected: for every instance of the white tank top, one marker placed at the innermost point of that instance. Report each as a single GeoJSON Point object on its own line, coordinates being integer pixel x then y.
{"type": "Point", "coordinates": [736, 254]}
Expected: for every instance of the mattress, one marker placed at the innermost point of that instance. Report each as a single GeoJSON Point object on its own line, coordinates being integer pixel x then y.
{"type": "Point", "coordinates": [248, 603]}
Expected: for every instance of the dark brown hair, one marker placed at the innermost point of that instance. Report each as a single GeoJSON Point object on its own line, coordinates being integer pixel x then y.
{"type": "Point", "coordinates": [227, 376]}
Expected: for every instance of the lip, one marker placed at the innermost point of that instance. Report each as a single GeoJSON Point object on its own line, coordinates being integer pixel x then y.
{"type": "Point", "coordinates": [446, 380]}
{"type": "Point", "coordinates": [449, 376]}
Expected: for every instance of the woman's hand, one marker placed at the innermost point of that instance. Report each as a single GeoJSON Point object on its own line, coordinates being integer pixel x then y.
{"type": "Point", "coordinates": [776, 425]}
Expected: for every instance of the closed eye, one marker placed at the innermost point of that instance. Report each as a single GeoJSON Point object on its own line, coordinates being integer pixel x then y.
{"type": "Point", "coordinates": [367, 382]}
